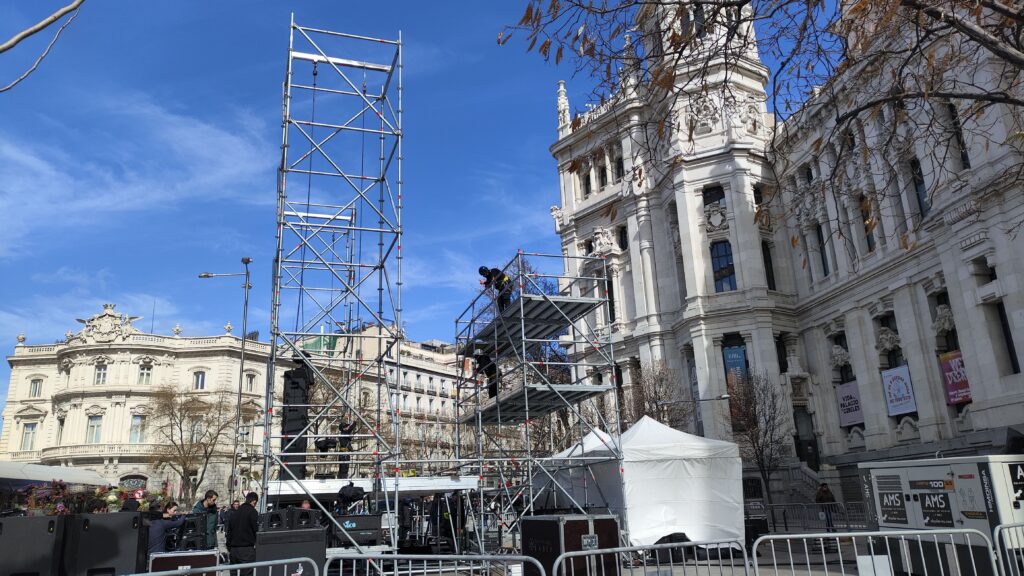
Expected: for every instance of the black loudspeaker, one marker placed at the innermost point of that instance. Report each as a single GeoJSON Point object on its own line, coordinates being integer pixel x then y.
{"type": "Point", "coordinates": [194, 542]}
{"type": "Point", "coordinates": [274, 521]}
{"type": "Point", "coordinates": [310, 543]}
{"type": "Point", "coordinates": [195, 525]}
{"type": "Point", "coordinates": [364, 529]}
{"type": "Point", "coordinates": [31, 546]}
{"type": "Point", "coordinates": [105, 544]}
{"type": "Point", "coordinates": [294, 418]}
{"type": "Point", "coordinates": [299, 518]}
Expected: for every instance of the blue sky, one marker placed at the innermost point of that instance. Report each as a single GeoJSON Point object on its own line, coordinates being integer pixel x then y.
{"type": "Point", "coordinates": [144, 150]}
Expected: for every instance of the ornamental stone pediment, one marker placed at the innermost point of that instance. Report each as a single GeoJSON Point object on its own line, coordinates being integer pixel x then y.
{"type": "Point", "coordinates": [95, 410]}
{"type": "Point", "coordinates": [106, 327]}
{"type": "Point", "coordinates": [29, 413]}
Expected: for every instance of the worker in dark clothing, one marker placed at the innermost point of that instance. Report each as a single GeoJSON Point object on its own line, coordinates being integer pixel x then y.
{"type": "Point", "coordinates": [208, 506]}
{"type": "Point", "coordinates": [159, 527]}
{"type": "Point", "coordinates": [502, 284]}
{"type": "Point", "coordinates": [345, 446]}
{"type": "Point", "coordinates": [130, 505]}
{"type": "Point", "coordinates": [487, 367]}
{"type": "Point", "coordinates": [242, 533]}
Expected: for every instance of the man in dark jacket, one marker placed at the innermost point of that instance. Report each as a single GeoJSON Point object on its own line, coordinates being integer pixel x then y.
{"type": "Point", "coordinates": [502, 284]}
{"type": "Point", "coordinates": [158, 528]}
{"type": "Point", "coordinates": [208, 506]}
{"type": "Point", "coordinates": [242, 528]}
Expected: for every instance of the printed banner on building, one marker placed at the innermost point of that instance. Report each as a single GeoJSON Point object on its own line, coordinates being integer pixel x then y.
{"type": "Point", "coordinates": [850, 412]}
{"type": "Point", "coordinates": [958, 390]}
{"type": "Point", "coordinates": [735, 363]}
{"type": "Point", "coordinates": [899, 394]}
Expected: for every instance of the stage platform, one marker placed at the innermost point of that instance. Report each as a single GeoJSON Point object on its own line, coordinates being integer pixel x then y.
{"type": "Point", "coordinates": [529, 317]}
{"type": "Point", "coordinates": [510, 406]}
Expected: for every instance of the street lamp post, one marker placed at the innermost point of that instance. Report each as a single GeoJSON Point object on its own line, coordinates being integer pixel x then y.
{"type": "Point", "coordinates": [241, 371]}
{"type": "Point", "coordinates": [696, 404]}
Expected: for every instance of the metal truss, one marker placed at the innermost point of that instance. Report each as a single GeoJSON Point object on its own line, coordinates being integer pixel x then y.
{"type": "Point", "coordinates": [555, 364]}
{"type": "Point", "coordinates": [336, 300]}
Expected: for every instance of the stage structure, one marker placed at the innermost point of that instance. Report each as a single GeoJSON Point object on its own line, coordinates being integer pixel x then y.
{"type": "Point", "coordinates": [535, 378]}
{"type": "Point", "coordinates": [336, 300]}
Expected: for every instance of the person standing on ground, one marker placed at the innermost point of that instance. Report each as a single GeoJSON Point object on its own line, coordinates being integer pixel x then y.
{"type": "Point", "coordinates": [827, 500]}
{"type": "Point", "coordinates": [502, 284]}
{"type": "Point", "coordinates": [242, 528]}
{"type": "Point", "coordinates": [208, 506]}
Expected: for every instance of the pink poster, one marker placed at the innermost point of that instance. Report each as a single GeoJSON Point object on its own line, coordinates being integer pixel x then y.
{"type": "Point", "coordinates": [958, 390]}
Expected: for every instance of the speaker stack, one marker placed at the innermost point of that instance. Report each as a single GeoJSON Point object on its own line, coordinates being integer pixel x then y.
{"type": "Point", "coordinates": [105, 544]}
{"type": "Point", "coordinates": [294, 419]}
{"type": "Point", "coordinates": [32, 546]}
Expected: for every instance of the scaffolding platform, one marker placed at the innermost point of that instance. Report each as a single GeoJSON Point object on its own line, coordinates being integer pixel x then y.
{"type": "Point", "coordinates": [537, 318]}
{"type": "Point", "coordinates": [510, 406]}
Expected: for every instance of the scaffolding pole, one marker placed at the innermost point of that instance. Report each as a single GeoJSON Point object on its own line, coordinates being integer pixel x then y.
{"type": "Point", "coordinates": [337, 275]}
{"type": "Point", "coordinates": [554, 356]}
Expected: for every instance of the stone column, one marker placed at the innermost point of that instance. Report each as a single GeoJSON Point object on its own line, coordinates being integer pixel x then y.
{"type": "Point", "coordinates": [911, 308]}
{"type": "Point", "coordinates": [746, 235]}
{"type": "Point", "coordinates": [650, 275]}
{"type": "Point", "coordinates": [860, 334]}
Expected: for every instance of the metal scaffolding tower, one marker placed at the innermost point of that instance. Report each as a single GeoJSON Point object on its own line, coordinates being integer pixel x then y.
{"type": "Point", "coordinates": [542, 363]}
{"type": "Point", "coordinates": [336, 299]}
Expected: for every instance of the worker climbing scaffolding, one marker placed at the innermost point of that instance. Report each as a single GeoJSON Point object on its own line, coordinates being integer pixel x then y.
{"type": "Point", "coordinates": [500, 282]}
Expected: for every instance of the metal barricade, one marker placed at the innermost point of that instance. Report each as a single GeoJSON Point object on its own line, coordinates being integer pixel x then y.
{"type": "Point", "coordinates": [833, 516]}
{"type": "Point", "coordinates": [1010, 548]}
{"type": "Point", "coordinates": [384, 564]}
{"type": "Point", "coordinates": [304, 566]}
{"type": "Point", "coordinates": [713, 558]}
{"type": "Point", "coordinates": [912, 552]}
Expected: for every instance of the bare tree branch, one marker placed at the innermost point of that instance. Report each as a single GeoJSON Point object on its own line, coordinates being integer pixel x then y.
{"type": "Point", "coordinates": [43, 55]}
{"type": "Point", "coordinates": [39, 26]}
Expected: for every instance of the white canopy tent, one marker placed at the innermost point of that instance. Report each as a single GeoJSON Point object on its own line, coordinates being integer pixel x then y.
{"type": "Point", "coordinates": [671, 482]}
{"type": "Point", "coordinates": [18, 474]}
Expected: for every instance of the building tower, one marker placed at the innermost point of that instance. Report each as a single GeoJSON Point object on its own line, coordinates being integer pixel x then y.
{"type": "Point", "coordinates": [675, 208]}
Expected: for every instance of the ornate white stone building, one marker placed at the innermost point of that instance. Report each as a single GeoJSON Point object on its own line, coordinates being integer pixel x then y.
{"type": "Point", "coordinates": [85, 401]}
{"type": "Point", "coordinates": [710, 272]}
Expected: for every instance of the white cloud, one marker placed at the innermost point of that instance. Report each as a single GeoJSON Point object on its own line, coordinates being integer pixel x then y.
{"type": "Point", "coordinates": [152, 159]}
{"type": "Point", "coordinates": [440, 269]}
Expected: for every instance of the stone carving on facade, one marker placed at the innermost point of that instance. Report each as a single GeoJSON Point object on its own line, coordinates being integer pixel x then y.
{"type": "Point", "coordinates": [855, 439]}
{"type": "Point", "coordinates": [943, 320]}
{"type": "Point", "coordinates": [228, 327]}
{"type": "Point", "coordinates": [69, 336]}
{"type": "Point", "coordinates": [907, 430]}
{"type": "Point", "coordinates": [677, 245]}
{"type": "Point", "coordinates": [95, 410]}
{"type": "Point", "coordinates": [66, 365]}
{"type": "Point", "coordinates": [556, 215]}
{"type": "Point", "coordinates": [563, 104]}
{"type": "Point", "coordinates": [101, 359]}
{"type": "Point", "coordinates": [604, 241]}
{"type": "Point", "coordinates": [840, 356]}
{"type": "Point", "coordinates": [750, 118]}
{"type": "Point", "coordinates": [140, 410]}
{"type": "Point", "coordinates": [146, 360]}
{"type": "Point", "coordinates": [703, 114]}
{"type": "Point", "coordinates": [177, 330]}
{"type": "Point", "coordinates": [887, 340]}
{"type": "Point", "coordinates": [715, 218]}
{"type": "Point", "coordinates": [21, 338]}
{"type": "Point", "coordinates": [60, 413]}
{"type": "Point", "coordinates": [107, 326]}
{"type": "Point", "coordinates": [792, 344]}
